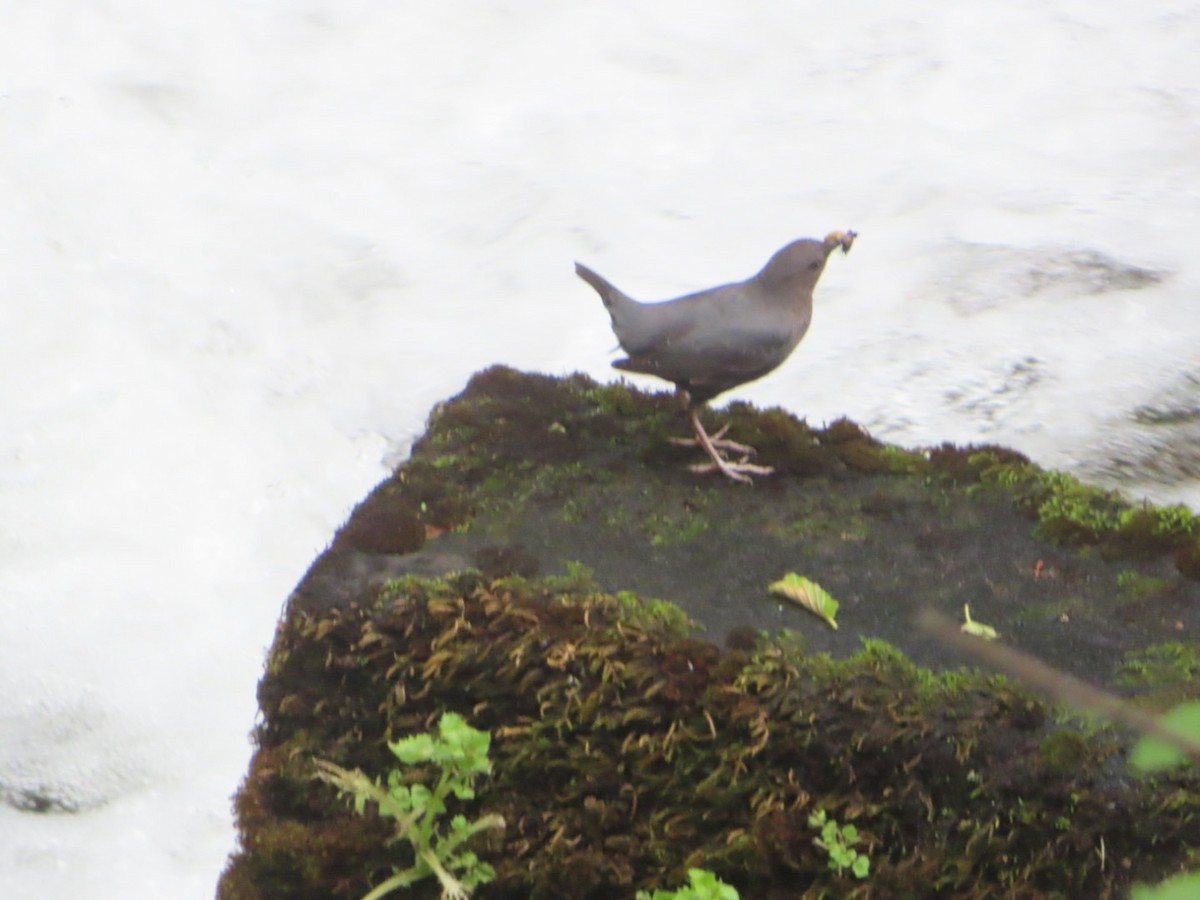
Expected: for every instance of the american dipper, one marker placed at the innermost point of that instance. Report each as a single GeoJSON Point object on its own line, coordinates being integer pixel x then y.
{"type": "Point", "coordinates": [714, 340]}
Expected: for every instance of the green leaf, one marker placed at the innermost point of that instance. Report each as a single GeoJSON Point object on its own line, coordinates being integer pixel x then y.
{"type": "Point", "coordinates": [702, 885]}
{"type": "Point", "coordinates": [419, 796]}
{"type": "Point", "coordinates": [477, 873]}
{"type": "Point", "coordinates": [401, 798]}
{"type": "Point", "coordinates": [415, 749]}
{"type": "Point", "coordinates": [1153, 754]}
{"type": "Point", "coordinates": [808, 594]}
{"type": "Point", "coordinates": [461, 753]}
{"type": "Point", "coordinates": [462, 745]}
{"type": "Point", "coordinates": [1181, 887]}
{"type": "Point", "coordinates": [862, 866]}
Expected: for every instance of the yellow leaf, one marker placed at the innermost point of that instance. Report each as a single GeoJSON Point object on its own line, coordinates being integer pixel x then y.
{"type": "Point", "coordinates": [987, 632]}
{"type": "Point", "coordinates": [808, 594]}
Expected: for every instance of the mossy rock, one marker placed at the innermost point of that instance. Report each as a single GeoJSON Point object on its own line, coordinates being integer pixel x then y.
{"type": "Point", "coordinates": [628, 748]}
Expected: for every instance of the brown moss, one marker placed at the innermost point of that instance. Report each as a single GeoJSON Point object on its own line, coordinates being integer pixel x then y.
{"type": "Point", "coordinates": [623, 751]}
{"type": "Point", "coordinates": [865, 455]}
{"type": "Point", "coordinates": [1187, 559]}
{"type": "Point", "coordinates": [385, 522]}
{"type": "Point", "coordinates": [1062, 752]}
{"type": "Point", "coordinates": [1137, 537]}
{"type": "Point", "coordinates": [842, 431]}
{"type": "Point", "coordinates": [302, 848]}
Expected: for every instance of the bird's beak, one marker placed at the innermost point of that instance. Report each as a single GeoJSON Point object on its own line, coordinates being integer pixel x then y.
{"type": "Point", "coordinates": [845, 239]}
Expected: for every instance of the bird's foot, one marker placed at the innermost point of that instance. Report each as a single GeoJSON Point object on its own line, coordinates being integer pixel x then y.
{"type": "Point", "coordinates": [738, 471]}
{"type": "Point", "coordinates": [717, 442]}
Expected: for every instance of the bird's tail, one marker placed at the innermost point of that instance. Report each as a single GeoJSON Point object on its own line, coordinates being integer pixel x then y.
{"type": "Point", "coordinates": [628, 317]}
{"type": "Point", "coordinates": [613, 298]}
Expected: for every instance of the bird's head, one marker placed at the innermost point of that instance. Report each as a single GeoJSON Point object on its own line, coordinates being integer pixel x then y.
{"type": "Point", "coordinates": [801, 263]}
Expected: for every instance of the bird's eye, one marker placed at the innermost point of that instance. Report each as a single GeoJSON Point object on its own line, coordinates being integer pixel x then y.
{"type": "Point", "coordinates": [814, 265]}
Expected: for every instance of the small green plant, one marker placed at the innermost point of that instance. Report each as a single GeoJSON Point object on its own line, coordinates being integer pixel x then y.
{"type": "Point", "coordinates": [461, 752]}
{"type": "Point", "coordinates": [702, 885]}
{"type": "Point", "coordinates": [1180, 887]}
{"type": "Point", "coordinates": [1070, 508]}
{"type": "Point", "coordinates": [650, 613]}
{"type": "Point", "coordinates": [839, 842]}
{"type": "Point", "coordinates": [1177, 520]}
{"type": "Point", "coordinates": [1152, 754]}
{"type": "Point", "coordinates": [993, 471]}
{"type": "Point", "coordinates": [1170, 664]}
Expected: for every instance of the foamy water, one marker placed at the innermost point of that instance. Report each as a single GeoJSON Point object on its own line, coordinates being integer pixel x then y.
{"type": "Point", "coordinates": [245, 247]}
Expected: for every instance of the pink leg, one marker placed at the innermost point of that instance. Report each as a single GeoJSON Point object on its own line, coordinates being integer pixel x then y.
{"type": "Point", "coordinates": [738, 471]}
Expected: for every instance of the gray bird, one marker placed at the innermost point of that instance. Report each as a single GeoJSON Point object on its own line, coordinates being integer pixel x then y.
{"type": "Point", "coordinates": [714, 340]}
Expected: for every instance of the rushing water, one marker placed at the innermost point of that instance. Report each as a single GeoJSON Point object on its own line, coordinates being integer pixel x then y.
{"type": "Point", "coordinates": [245, 247]}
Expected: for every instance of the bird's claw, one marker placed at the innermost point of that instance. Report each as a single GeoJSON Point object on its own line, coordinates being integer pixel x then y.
{"type": "Point", "coordinates": [718, 442]}
{"type": "Point", "coordinates": [739, 471]}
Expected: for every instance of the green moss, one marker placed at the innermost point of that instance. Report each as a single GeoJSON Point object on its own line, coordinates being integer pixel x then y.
{"type": "Point", "coordinates": [904, 461]}
{"type": "Point", "coordinates": [577, 579]}
{"type": "Point", "coordinates": [971, 463]}
{"type": "Point", "coordinates": [1168, 666]}
{"type": "Point", "coordinates": [653, 614]}
{"type": "Point", "coordinates": [679, 524]}
{"type": "Point", "coordinates": [1136, 585]}
{"type": "Point", "coordinates": [1063, 610]}
{"type": "Point", "coordinates": [445, 461]}
{"type": "Point", "coordinates": [1063, 751]}
{"type": "Point", "coordinates": [1070, 512]}
{"type": "Point", "coordinates": [518, 441]}
{"type": "Point", "coordinates": [624, 403]}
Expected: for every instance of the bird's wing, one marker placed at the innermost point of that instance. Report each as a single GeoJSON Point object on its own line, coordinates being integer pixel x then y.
{"type": "Point", "coordinates": [733, 356]}
{"type": "Point", "coordinates": [719, 339]}
{"type": "Point", "coordinates": [650, 327]}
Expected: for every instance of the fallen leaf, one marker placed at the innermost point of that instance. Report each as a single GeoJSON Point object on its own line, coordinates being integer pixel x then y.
{"type": "Point", "coordinates": [987, 632]}
{"type": "Point", "coordinates": [808, 594]}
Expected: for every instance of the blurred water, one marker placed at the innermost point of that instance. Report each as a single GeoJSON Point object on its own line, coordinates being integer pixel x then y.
{"type": "Point", "coordinates": [245, 247]}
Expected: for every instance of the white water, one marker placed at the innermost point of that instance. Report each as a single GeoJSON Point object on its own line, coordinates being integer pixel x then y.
{"type": "Point", "coordinates": [244, 247]}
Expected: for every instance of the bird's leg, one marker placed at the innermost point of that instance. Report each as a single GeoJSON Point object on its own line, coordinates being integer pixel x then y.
{"type": "Point", "coordinates": [739, 471]}
{"type": "Point", "coordinates": [717, 440]}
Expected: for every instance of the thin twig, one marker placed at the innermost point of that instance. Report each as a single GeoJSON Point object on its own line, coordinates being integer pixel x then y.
{"type": "Point", "coordinates": [1056, 683]}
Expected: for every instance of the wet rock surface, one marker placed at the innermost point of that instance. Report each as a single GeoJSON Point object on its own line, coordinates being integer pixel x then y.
{"type": "Point", "coordinates": [525, 474]}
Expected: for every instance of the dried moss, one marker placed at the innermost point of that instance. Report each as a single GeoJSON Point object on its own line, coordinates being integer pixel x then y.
{"type": "Point", "coordinates": [626, 751]}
